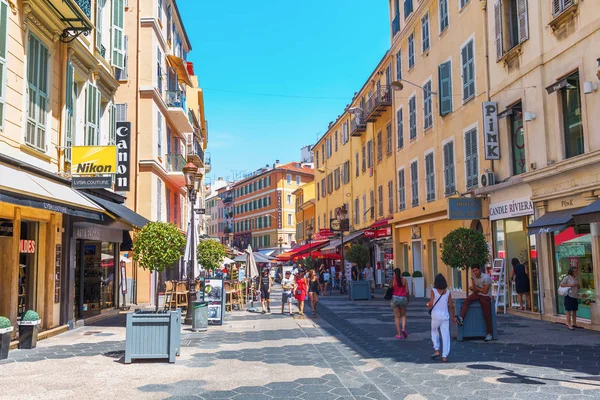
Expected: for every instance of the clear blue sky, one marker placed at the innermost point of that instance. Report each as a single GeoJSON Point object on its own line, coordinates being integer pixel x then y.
{"type": "Point", "coordinates": [312, 48]}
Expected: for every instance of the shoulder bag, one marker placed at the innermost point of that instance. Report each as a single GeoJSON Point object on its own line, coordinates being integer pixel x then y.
{"type": "Point", "coordinates": [434, 304]}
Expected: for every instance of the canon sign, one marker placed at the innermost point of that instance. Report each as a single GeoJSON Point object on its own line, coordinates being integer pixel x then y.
{"type": "Point", "coordinates": [123, 163]}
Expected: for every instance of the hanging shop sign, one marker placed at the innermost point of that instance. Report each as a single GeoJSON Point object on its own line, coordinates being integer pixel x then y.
{"type": "Point", "coordinates": [6, 228]}
{"type": "Point", "coordinates": [93, 160]}
{"type": "Point", "coordinates": [511, 208]}
{"type": "Point", "coordinates": [378, 233]}
{"type": "Point", "coordinates": [464, 208]}
{"type": "Point", "coordinates": [490, 130]}
{"type": "Point", "coordinates": [91, 182]}
{"type": "Point", "coordinates": [27, 246]}
{"type": "Point", "coordinates": [279, 216]}
{"type": "Point", "coordinates": [123, 153]}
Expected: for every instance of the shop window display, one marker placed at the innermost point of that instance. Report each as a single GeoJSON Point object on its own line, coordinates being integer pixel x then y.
{"type": "Point", "coordinates": [95, 291]}
{"type": "Point", "coordinates": [28, 255]}
{"type": "Point", "coordinates": [573, 249]}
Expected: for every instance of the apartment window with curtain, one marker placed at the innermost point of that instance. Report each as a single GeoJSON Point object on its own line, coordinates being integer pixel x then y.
{"type": "Point", "coordinates": [414, 182]}
{"type": "Point", "coordinates": [412, 117]}
{"type": "Point", "coordinates": [444, 17]}
{"type": "Point", "coordinates": [411, 50]}
{"type": "Point", "coordinates": [400, 128]}
{"type": "Point", "coordinates": [445, 88]}
{"type": "Point", "coordinates": [467, 57]}
{"type": "Point", "coordinates": [399, 65]}
{"type": "Point", "coordinates": [427, 106]}
{"type": "Point", "coordinates": [449, 173]}
{"type": "Point", "coordinates": [379, 146]}
{"type": "Point", "coordinates": [3, 49]}
{"type": "Point", "coordinates": [380, 200]}
{"type": "Point", "coordinates": [430, 176]}
{"type": "Point", "coordinates": [570, 97]}
{"type": "Point", "coordinates": [425, 33]}
{"type": "Point", "coordinates": [37, 85]}
{"type": "Point", "coordinates": [471, 159]}
{"type": "Point", "coordinates": [388, 138]}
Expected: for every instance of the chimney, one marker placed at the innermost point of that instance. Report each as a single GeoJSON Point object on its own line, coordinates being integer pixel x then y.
{"type": "Point", "coordinates": [276, 164]}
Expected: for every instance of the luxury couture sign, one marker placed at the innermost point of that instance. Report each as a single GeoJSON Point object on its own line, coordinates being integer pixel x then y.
{"type": "Point", "coordinates": [511, 208]}
{"type": "Point", "coordinates": [490, 130]}
{"type": "Point", "coordinates": [123, 152]}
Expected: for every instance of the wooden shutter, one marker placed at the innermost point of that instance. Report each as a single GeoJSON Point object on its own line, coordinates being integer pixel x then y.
{"type": "Point", "coordinates": [399, 65]}
{"type": "Point", "coordinates": [522, 20]}
{"type": "Point", "coordinates": [498, 29]}
{"type": "Point", "coordinates": [401, 191]}
{"type": "Point", "coordinates": [400, 133]}
{"type": "Point", "coordinates": [557, 6]}
{"type": "Point", "coordinates": [159, 133]}
{"type": "Point", "coordinates": [118, 40]}
{"type": "Point", "coordinates": [474, 160]}
{"type": "Point", "coordinates": [445, 77]}
{"type": "Point", "coordinates": [99, 5]}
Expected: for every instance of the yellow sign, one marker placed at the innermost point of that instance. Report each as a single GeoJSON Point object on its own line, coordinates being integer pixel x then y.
{"type": "Point", "coordinates": [94, 160]}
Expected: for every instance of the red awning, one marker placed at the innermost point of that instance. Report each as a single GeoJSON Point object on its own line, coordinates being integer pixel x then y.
{"type": "Point", "coordinates": [381, 223]}
{"type": "Point", "coordinates": [288, 255]}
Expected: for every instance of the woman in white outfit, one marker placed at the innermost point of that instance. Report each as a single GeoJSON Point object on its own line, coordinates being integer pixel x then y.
{"type": "Point", "coordinates": [441, 308]}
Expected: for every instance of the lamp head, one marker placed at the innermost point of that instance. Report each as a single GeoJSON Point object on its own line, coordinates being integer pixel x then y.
{"type": "Point", "coordinates": [321, 170]}
{"type": "Point", "coordinates": [396, 86]}
{"type": "Point", "coordinates": [189, 172]}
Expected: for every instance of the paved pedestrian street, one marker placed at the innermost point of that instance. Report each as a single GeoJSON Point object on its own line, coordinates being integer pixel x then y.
{"type": "Point", "coordinates": [347, 352]}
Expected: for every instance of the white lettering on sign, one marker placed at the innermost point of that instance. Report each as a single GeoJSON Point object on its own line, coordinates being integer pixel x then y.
{"type": "Point", "coordinates": [491, 140]}
{"type": "Point", "coordinates": [511, 208]}
{"type": "Point", "coordinates": [27, 246]}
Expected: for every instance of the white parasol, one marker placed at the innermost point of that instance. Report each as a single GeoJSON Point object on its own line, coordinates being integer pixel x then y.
{"type": "Point", "coordinates": [252, 272]}
{"type": "Point", "coordinates": [191, 244]}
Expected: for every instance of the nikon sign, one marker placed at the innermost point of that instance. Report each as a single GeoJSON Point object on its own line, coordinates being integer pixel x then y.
{"type": "Point", "coordinates": [94, 160]}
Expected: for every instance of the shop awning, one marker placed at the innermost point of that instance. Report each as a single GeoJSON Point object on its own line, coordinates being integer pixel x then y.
{"type": "Point", "coordinates": [288, 255]}
{"type": "Point", "coordinates": [334, 244]}
{"type": "Point", "coordinates": [588, 214]}
{"type": "Point", "coordinates": [553, 221]}
{"type": "Point", "coordinates": [120, 210]}
{"type": "Point", "coordinates": [27, 189]}
{"type": "Point", "coordinates": [180, 68]}
{"type": "Point", "coordinates": [382, 223]}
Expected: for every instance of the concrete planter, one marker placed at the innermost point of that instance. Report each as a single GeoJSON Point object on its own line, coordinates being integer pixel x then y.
{"type": "Point", "coordinates": [474, 323]}
{"type": "Point", "coordinates": [151, 335]}
{"type": "Point", "coordinates": [5, 336]}
{"type": "Point", "coordinates": [419, 286]}
{"type": "Point", "coordinates": [409, 283]}
{"type": "Point", "coordinates": [28, 334]}
{"type": "Point", "coordinates": [360, 290]}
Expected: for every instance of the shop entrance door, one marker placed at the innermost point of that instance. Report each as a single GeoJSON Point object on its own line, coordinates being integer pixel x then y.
{"type": "Point", "coordinates": [28, 257]}
{"type": "Point", "coordinates": [417, 256]}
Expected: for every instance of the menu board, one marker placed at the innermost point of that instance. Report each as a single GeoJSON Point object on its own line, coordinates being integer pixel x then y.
{"type": "Point", "coordinates": [213, 294]}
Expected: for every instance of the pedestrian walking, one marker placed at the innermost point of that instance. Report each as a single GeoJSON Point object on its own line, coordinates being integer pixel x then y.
{"type": "Point", "coordinates": [313, 291]}
{"type": "Point", "coordinates": [400, 295]}
{"type": "Point", "coordinates": [441, 308]}
{"type": "Point", "coordinates": [287, 284]}
{"type": "Point", "coordinates": [321, 279]}
{"type": "Point", "coordinates": [521, 282]}
{"type": "Point", "coordinates": [264, 287]}
{"type": "Point", "coordinates": [368, 272]}
{"type": "Point", "coordinates": [300, 290]}
{"type": "Point", "coordinates": [571, 299]}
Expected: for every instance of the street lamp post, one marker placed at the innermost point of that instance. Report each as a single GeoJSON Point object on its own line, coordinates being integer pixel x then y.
{"type": "Point", "coordinates": [309, 234]}
{"type": "Point", "coordinates": [342, 214]}
{"type": "Point", "coordinates": [192, 183]}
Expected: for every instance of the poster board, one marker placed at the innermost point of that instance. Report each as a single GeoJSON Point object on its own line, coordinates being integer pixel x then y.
{"type": "Point", "coordinates": [214, 294]}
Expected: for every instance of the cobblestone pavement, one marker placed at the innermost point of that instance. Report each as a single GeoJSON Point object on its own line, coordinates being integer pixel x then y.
{"type": "Point", "coordinates": [348, 351]}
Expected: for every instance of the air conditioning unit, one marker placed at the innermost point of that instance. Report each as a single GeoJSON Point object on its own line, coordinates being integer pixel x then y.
{"type": "Point", "coordinates": [488, 179]}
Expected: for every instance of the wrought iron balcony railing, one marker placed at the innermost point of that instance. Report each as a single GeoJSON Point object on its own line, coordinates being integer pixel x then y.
{"type": "Point", "coordinates": [357, 126]}
{"type": "Point", "coordinates": [377, 103]}
{"type": "Point", "coordinates": [175, 98]}
{"type": "Point", "coordinates": [86, 7]}
{"type": "Point", "coordinates": [175, 163]}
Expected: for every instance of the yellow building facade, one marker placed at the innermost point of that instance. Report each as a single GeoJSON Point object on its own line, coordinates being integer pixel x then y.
{"type": "Point", "coordinates": [305, 210]}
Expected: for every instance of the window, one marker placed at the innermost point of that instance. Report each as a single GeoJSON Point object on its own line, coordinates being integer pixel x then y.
{"type": "Point", "coordinates": [412, 117]}
{"type": "Point", "coordinates": [118, 42]}
{"type": "Point", "coordinates": [471, 158]}
{"type": "Point", "coordinates": [356, 210]}
{"type": "Point", "coordinates": [322, 154]}
{"type": "Point", "coordinates": [112, 128]}
{"type": "Point", "coordinates": [425, 33]}
{"type": "Point", "coordinates": [558, 6]}
{"type": "Point", "coordinates": [298, 181]}
{"type": "Point", "coordinates": [159, 133]}
{"type": "Point", "coordinates": [92, 131]}
{"type": "Point", "coordinates": [444, 17]}
{"type": "Point", "coordinates": [346, 173]}
{"type": "Point", "coordinates": [99, 7]}
{"type": "Point", "coordinates": [445, 88]}
{"type": "Point", "coordinates": [289, 199]}
{"type": "Point", "coordinates": [379, 146]}
{"type": "Point", "coordinates": [430, 176]}
{"type": "Point", "coordinates": [411, 51]}
{"type": "Point", "coordinates": [463, 3]}
{"type": "Point", "coordinates": [468, 71]}
{"type": "Point", "coordinates": [510, 24]}
{"type": "Point", "coordinates": [158, 199]}
{"type": "Point", "coordinates": [449, 174]}
{"type": "Point", "coordinates": [414, 183]}
{"type": "Point", "coordinates": [380, 199]}
{"type": "Point", "coordinates": [370, 153]}
{"type": "Point", "coordinates": [260, 184]}
{"type": "Point", "coordinates": [364, 158]}
{"type": "Point", "coordinates": [400, 128]}
{"type": "Point", "coordinates": [390, 197]}
{"type": "Point", "coordinates": [571, 112]}
{"type": "Point", "coordinates": [160, 6]}
{"type": "Point", "coordinates": [427, 106]}
{"type": "Point", "coordinates": [356, 163]}
{"type": "Point", "coordinates": [317, 157]}
{"type": "Point", "coordinates": [159, 70]}
{"type": "Point", "coordinates": [399, 65]}
{"type": "Point", "coordinates": [345, 137]}
{"type": "Point", "coordinates": [329, 183]}
{"type": "Point", "coordinates": [517, 140]}
{"type": "Point", "coordinates": [408, 8]}
{"type": "Point", "coordinates": [70, 97]}
{"type": "Point", "coordinates": [168, 204]}
{"type": "Point", "coordinates": [288, 178]}
{"type": "Point", "coordinates": [37, 85]}
{"type": "Point", "coordinates": [328, 147]}
{"type": "Point", "coordinates": [372, 204]}
{"type": "Point", "coordinates": [318, 191]}
{"type": "Point", "coordinates": [3, 48]}
{"type": "Point", "coordinates": [337, 178]}
{"type": "Point", "coordinates": [323, 188]}
{"type": "Point", "coordinates": [388, 135]}
{"type": "Point", "coordinates": [336, 141]}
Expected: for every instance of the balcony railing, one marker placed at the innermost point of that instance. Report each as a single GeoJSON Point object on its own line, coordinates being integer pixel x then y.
{"type": "Point", "coordinates": [175, 163]}
{"type": "Point", "coordinates": [396, 25]}
{"type": "Point", "coordinates": [176, 98]}
{"type": "Point", "coordinates": [377, 103]}
{"type": "Point", "coordinates": [86, 7]}
{"type": "Point", "coordinates": [357, 126]}
{"type": "Point", "coordinates": [228, 198]}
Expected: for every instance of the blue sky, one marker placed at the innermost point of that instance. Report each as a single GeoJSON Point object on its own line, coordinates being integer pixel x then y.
{"type": "Point", "coordinates": [312, 48]}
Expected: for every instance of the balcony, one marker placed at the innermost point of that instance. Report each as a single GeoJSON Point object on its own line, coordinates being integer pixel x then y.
{"type": "Point", "coordinates": [357, 126]}
{"type": "Point", "coordinates": [377, 103]}
{"type": "Point", "coordinates": [396, 25]}
{"type": "Point", "coordinates": [227, 198]}
{"type": "Point", "coordinates": [177, 110]}
{"type": "Point", "coordinates": [75, 16]}
{"type": "Point", "coordinates": [207, 162]}
{"type": "Point", "coordinates": [194, 151]}
{"type": "Point", "coordinates": [174, 164]}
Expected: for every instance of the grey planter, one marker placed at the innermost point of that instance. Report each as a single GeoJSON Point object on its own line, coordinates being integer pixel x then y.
{"type": "Point", "coordinates": [360, 290]}
{"type": "Point", "coordinates": [151, 335]}
{"type": "Point", "coordinates": [474, 323]}
{"type": "Point", "coordinates": [5, 336]}
{"type": "Point", "coordinates": [28, 334]}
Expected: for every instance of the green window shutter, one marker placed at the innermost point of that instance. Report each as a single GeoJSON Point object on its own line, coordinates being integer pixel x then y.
{"type": "Point", "coordinates": [522, 20]}
{"type": "Point", "coordinates": [70, 114]}
{"type": "Point", "coordinates": [112, 138]}
{"type": "Point", "coordinates": [92, 99]}
{"type": "Point", "coordinates": [118, 38]}
{"type": "Point", "coordinates": [99, 5]}
{"type": "Point", "coordinates": [445, 77]}
{"type": "Point", "coordinates": [3, 40]}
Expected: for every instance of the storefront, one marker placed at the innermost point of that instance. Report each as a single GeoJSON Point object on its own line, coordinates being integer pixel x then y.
{"type": "Point", "coordinates": [511, 239]}
{"type": "Point", "coordinates": [382, 247]}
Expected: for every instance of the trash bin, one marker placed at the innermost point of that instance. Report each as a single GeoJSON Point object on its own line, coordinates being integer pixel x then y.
{"type": "Point", "coordinates": [200, 317]}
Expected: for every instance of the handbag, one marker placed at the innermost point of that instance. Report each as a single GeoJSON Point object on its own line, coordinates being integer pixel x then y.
{"type": "Point", "coordinates": [388, 294]}
{"type": "Point", "coordinates": [564, 291]}
{"type": "Point", "coordinates": [298, 292]}
{"type": "Point", "coordinates": [434, 304]}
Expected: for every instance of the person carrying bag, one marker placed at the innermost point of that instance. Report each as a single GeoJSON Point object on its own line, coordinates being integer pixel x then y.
{"type": "Point", "coordinates": [441, 308]}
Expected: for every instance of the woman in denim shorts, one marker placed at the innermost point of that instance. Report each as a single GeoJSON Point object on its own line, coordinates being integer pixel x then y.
{"type": "Point", "coordinates": [399, 302]}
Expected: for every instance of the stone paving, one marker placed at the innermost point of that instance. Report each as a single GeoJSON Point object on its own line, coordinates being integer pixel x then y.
{"type": "Point", "coordinates": [348, 351]}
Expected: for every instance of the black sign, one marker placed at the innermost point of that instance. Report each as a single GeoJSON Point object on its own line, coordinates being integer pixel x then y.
{"type": "Point", "coordinates": [201, 211]}
{"type": "Point", "coordinates": [6, 227]}
{"type": "Point", "coordinates": [50, 206]}
{"type": "Point", "coordinates": [123, 163]}
{"type": "Point", "coordinates": [97, 182]}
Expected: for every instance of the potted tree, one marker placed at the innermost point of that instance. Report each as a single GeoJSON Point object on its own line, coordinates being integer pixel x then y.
{"type": "Point", "coordinates": [418, 284]}
{"type": "Point", "coordinates": [156, 247]}
{"type": "Point", "coordinates": [6, 330]}
{"type": "Point", "coordinates": [359, 255]}
{"type": "Point", "coordinates": [210, 254]}
{"type": "Point", "coordinates": [28, 330]}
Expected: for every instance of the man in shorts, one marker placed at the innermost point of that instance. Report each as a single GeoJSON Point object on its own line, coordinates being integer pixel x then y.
{"type": "Point", "coordinates": [264, 286]}
{"type": "Point", "coordinates": [287, 284]}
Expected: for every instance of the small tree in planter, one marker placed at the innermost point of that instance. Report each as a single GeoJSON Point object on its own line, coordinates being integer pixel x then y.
{"type": "Point", "coordinates": [464, 247]}
{"type": "Point", "coordinates": [359, 255]}
{"type": "Point", "coordinates": [211, 254]}
{"type": "Point", "coordinates": [308, 263]}
{"type": "Point", "coordinates": [28, 330]}
{"type": "Point", "coordinates": [5, 336]}
{"type": "Point", "coordinates": [158, 246]}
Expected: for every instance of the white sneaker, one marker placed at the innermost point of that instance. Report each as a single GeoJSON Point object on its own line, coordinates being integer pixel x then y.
{"type": "Point", "coordinates": [488, 338]}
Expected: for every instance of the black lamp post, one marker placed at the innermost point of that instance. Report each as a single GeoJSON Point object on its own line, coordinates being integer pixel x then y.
{"type": "Point", "coordinates": [192, 183]}
{"type": "Point", "coordinates": [309, 235]}
{"type": "Point", "coordinates": [342, 214]}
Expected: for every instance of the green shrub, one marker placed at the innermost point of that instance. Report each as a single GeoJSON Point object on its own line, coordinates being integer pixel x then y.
{"type": "Point", "coordinates": [30, 316]}
{"type": "Point", "coordinates": [464, 247]}
{"type": "Point", "coordinates": [417, 274]}
{"type": "Point", "coordinates": [210, 254]}
{"type": "Point", "coordinates": [5, 323]}
{"type": "Point", "coordinates": [359, 255]}
{"type": "Point", "coordinates": [406, 273]}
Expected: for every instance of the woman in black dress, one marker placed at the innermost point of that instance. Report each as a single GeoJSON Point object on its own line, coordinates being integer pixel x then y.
{"type": "Point", "coordinates": [521, 282]}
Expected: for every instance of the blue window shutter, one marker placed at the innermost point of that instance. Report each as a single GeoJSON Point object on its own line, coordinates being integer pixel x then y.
{"type": "Point", "coordinates": [445, 77]}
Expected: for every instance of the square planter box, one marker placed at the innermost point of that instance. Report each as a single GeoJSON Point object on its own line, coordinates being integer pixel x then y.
{"type": "Point", "coordinates": [5, 336]}
{"type": "Point", "coordinates": [28, 334]}
{"type": "Point", "coordinates": [151, 335]}
{"type": "Point", "coordinates": [419, 286]}
{"type": "Point", "coordinates": [474, 323]}
{"type": "Point", "coordinates": [360, 290]}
